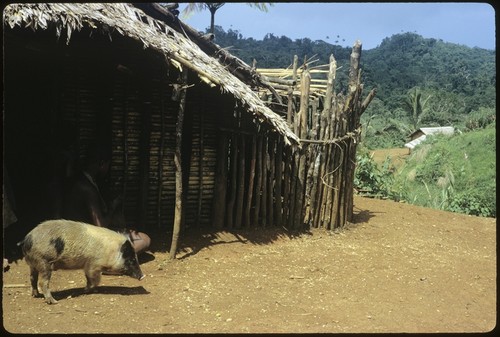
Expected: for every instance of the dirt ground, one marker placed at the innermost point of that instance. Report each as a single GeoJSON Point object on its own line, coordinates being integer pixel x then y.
{"type": "Point", "coordinates": [397, 268]}
{"type": "Point", "coordinates": [396, 155]}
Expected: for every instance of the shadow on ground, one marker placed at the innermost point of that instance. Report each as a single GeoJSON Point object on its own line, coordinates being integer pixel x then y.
{"type": "Point", "coordinates": [192, 240]}
{"type": "Point", "coordinates": [114, 290]}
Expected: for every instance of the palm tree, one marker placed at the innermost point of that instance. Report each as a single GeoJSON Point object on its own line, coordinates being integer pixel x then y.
{"type": "Point", "coordinates": [416, 106]}
{"type": "Point", "coordinates": [214, 6]}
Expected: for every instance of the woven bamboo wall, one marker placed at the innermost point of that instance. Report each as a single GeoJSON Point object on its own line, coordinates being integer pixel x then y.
{"type": "Point", "coordinates": [237, 172]}
{"type": "Point", "coordinates": [123, 97]}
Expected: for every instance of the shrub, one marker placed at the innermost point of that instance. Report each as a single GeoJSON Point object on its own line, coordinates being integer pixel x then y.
{"type": "Point", "coordinates": [456, 173]}
{"type": "Point", "coordinates": [471, 204]}
{"type": "Point", "coordinates": [369, 180]}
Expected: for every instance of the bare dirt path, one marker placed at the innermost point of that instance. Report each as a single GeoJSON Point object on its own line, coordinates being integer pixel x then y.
{"type": "Point", "coordinates": [398, 268]}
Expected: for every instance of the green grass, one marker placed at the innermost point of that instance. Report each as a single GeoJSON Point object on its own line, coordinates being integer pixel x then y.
{"type": "Point", "coordinates": [456, 173]}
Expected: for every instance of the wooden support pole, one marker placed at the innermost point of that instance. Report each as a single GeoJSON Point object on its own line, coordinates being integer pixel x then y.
{"type": "Point", "coordinates": [332, 169]}
{"type": "Point", "coordinates": [301, 159]}
{"type": "Point", "coordinates": [304, 104]}
{"type": "Point", "coordinates": [354, 124]}
{"type": "Point", "coordinates": [258, 180]}
{"type": "Point", "coordinates": [233, 181]}
{"type": "Point", "coordinates": [330, 94]}
{"type": "Point", "coordinates": [338, 191]}
{"type": "Point", "coordinates": [311, 160]}
{"type": "Point", "coordinates": [241, 182]}
{"type": "Point", "coordinates": [293, 182]}
{"type": "Point", "coordinates": [265, 166]}
{"type": "Point", "coordinates": [287, 176]}
{"type": "Point", "coordinates": [251, 179]}
{"type": "Point", "coordinates": [313, 182]}
{"type": "Point", "coordinates": [290, 91]}
{"type": "Point", "coordinates": [178, 167]}
{"type": "Point", "coordinates": [270, 180]}
{"type": "Point", "coordinates": [278, 179]}
{"type": "Point", "coordinates": [220, 189]}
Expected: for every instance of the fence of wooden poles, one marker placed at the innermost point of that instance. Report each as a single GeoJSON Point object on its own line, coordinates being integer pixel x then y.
{"type": "Point", "coordinates": [262, 182]}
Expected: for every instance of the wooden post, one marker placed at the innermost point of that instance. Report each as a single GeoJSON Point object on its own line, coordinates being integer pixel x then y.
{"type": "Point", "coordinates": [220, 189]}
{"type": "Point", "coordinates": [290, 91]}
{"type": "Point", "coordinates": [251, 179]}
{"type": "Point", "coordinates": [287, 176]}
{"type": "Point", "coordinates": [312, 162]}
{"type": "Point", "coordinates": [313, 182]}
{"type": "Point", "coordinates": [241, 182]}
{"type": "Point", "coordinates": [258, 180]}
{"type": "Point", "coordinates": [233, 179]}
{"type": "Point", "coordinates": [277, 187]}
{"type": "Point", "coordinates": [338, 176]}
{"type": "Point", "coordinates": [293, 184]}
{"type": "Point", "coordinates": [178, 167]}
{"type": "Point", "coordinates": [330, 92]}
{"type": "Point", "coordinates": [358, 109]}
{"type": "Point", "coordinates": [265, 166]}
{"type": "Point", "coordinates": [301, 162]}
{"type": "Point", "coordinates": [270, 180]}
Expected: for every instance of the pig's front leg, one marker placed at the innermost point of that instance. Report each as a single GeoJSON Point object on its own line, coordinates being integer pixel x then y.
{"type": "Point", "coordinates": [93, 276]}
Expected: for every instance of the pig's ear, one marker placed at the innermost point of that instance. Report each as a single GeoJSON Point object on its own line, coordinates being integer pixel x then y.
{"type": "Point", "coordinates": [126, 233]}
{"type": "Point", "coordinates": [134, 235]}
{"type": "Point", "coordinates": [129, 237]}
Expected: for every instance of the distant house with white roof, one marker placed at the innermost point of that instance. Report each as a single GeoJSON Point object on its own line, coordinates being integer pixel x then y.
{"type": "Point", "coordinates": [421, 134]}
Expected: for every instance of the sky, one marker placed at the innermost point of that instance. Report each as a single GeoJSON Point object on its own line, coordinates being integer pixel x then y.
{"type": "Point", "coordinates": [469, 24]}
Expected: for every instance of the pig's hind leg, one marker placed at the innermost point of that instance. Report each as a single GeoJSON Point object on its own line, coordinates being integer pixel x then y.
{"type": "Point", "coordinates": [34, 282]}
{"type": "Point", "coordinates": [44, 283]}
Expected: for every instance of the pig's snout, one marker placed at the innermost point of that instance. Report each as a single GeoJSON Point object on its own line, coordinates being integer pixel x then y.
{"type": "Point", "coordinates": [137, 274]}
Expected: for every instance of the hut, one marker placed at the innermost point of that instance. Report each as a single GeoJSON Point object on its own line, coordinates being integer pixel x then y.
{"type": "Point", "coordinates": [123, 74]}
{"type": "Point", "coordinates": [188, 123]}
{"type": "Point", "coordinates": [421, 134]}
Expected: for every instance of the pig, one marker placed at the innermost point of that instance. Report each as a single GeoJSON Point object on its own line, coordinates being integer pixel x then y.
{"type": "Point", "coordinates": [65, 244]}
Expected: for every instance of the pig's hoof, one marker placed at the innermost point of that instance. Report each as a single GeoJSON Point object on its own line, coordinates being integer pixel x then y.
{"type": "Point", "coordinates": [35, 293]}
{"type": "Point", "coordinates": [51, 300]}
{"type": "Point", "coordinates": [90, 290]}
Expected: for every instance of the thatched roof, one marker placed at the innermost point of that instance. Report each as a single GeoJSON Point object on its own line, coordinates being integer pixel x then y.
{"type": "Point", "coordinates": [132, 22]}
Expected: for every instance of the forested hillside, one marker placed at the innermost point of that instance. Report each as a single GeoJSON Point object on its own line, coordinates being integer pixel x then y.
{"type": "Point", "coordinates": [420, 82]}
{"type": "Point", "coordinates": [451, 84]}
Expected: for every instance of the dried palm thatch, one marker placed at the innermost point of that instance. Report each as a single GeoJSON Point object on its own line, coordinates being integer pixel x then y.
{"type": "Point", "coordinates": [132, 22]}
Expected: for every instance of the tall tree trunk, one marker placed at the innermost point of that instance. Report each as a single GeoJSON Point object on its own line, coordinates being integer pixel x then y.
{"type": "Point", "coordinates": [212, 20]}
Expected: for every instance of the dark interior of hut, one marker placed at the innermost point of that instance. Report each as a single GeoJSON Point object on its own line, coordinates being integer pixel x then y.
{"type": "Point", "coordinates": [59, 97]}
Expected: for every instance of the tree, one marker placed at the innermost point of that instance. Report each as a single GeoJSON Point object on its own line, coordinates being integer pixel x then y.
{"type": "Point", "coordinates": [415, 106]}
{"type": "Point", "coordinates": [214, 6]}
